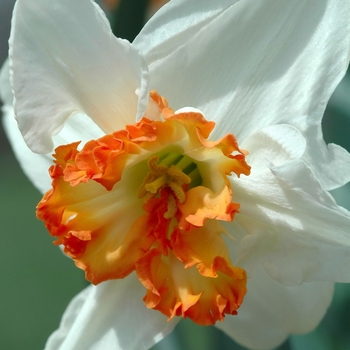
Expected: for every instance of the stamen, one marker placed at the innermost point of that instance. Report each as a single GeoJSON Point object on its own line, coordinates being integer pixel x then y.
{"type": "Point", "coordinates": [169, 173]}
{"type": "Point", "coordinates": [172, 208]}
{"type": "Point", "coordinates": [157, 184]}
{"type": "Point", "coordinates": [174, 171]}
{"type": "Point", "coordinates": [178, 191]}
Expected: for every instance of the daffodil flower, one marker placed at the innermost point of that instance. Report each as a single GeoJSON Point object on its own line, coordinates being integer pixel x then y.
{"type": "Point", "coordinates": [189, 177]}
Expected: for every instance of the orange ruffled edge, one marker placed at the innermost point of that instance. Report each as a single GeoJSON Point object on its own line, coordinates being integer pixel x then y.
{"type": "Point", "coordinates": [182, 261]}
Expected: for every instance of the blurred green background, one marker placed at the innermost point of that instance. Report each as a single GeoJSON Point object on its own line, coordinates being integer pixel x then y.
{"type": "Point", "coordinates": [37, 281]}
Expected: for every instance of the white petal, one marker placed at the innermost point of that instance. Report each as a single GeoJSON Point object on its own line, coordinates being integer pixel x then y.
{"type": "Point", "coordinates": [77, 128]}
{"type": "Point", "coordinates": [65, 60]}
{"type": "Point", "coordinates": [110, 316]}
{"type": "Point", "coordinates": [258, 63]}
{"type": "Point", "coordinates": [34, 165]}
{"type": "Point", "coordinates": [293, 227]}
{"type": "Point", "coordinates": [272, 311]}
{"type": "Point", "coordinates": [275, 144]}
{"type": "Point", "coordinates": [330, 163]}
{"type": "Point", "coordinates": [189, 110]}
{"type": "Point", "coordinates": [174, 23]}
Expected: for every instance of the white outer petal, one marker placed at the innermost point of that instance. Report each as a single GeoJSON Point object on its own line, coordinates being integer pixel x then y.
{"type": "Point", "coordinates": [64, 60]}
{"type": "Point", "coordinates": [271, 311]}
{"type": "Point", "coordinates": [276, 61]}
{"type": "Point", "coordinates": [275, 144]}
{"type": "Point", "coordinates": [36, 166]}
{"type": "Point", "coordinates": [174, 24]}
{"type": "Point", "coordinates": [292, 226]}
{"type": "Point", "coordinates": [111, 315]}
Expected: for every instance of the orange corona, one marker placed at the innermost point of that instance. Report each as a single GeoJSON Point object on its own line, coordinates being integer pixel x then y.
{"type": "Point", "coordinates": [149, 200]}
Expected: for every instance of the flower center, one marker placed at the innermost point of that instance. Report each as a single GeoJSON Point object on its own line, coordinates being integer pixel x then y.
{"type": "Point", "coordinates": [149, 199]}
{"type": "Point", "coordinates": [173, 171]}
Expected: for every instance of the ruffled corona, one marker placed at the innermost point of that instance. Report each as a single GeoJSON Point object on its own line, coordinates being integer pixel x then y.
{"type": "Point", "coordinates": [150, 199]}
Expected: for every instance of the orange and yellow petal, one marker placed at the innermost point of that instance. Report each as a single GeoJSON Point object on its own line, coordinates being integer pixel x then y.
{"type": "Point", "coordinates": [116, 239]}
{"type": "Point", "coordinates": [202, 204]}
{"type": "Point", "coordinates": [178, 291]}
{"type": "Point", "coordinates": [200, 246]}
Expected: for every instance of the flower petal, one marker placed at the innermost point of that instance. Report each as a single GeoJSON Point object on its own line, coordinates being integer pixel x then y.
{"type": "Point", "coordinates": [174, 290]}
{"type": "Point", "coordinates": [34, 165]}
{"type": "Point", "coordinates": [275, 145]}
{"type": "Point", "coordinates": [81, 65]}
{"type": "Point", "coordinates": [173, 24]}
{"type": "Point", "coordinates": [293, 226]}
{"type": "Point", "coordinates": [279, 63]}
{"type": "Point", "coordinates": [272, 311]}
{"type": "Point", "coordinates": [110, 316]}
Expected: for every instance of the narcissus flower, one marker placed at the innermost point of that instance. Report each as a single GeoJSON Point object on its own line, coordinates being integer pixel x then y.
{"type": "Point", "coordinates": [189, 176]}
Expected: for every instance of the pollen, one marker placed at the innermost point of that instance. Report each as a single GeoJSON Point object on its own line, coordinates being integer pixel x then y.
{"type": "Point", "coordinates": [151, 199]}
